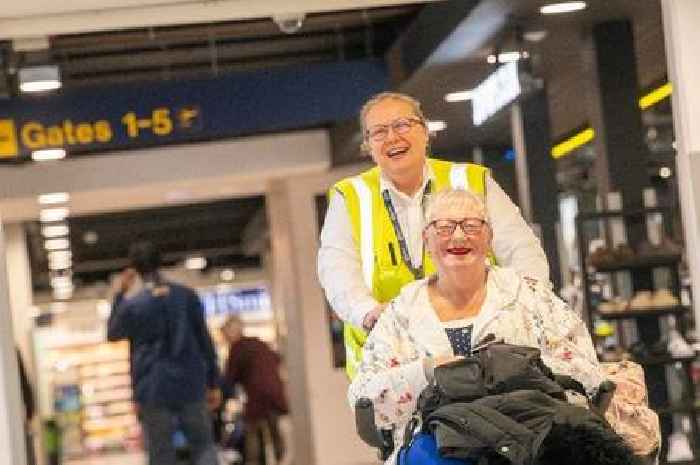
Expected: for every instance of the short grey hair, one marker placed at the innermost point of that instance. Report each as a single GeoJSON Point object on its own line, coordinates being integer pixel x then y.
{"type": "Point", "coordinates": [449, 197]}
{"type": "Point", "coordinates": [375, 99]}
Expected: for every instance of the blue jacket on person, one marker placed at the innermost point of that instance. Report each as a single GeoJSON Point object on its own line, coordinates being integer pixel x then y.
{"type": "Point", "coordinates": [173, 360]}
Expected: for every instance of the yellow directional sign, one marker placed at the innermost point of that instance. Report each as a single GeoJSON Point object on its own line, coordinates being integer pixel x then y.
{"type": "Point", "coordinates": [8, 139]}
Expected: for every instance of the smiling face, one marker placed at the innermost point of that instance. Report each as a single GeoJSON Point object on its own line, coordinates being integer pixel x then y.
{"type": "Point", "coordinates": [397, 154]}
{"type": "Point", "coordinates": [457, 249]}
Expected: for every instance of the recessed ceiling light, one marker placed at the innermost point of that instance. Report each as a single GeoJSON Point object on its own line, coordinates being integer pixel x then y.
{"type": "Point", "coordinates": [461, 96]}
{"type": "Point", "coordinates": [90, 237]}
{"type": "Point", "coordinates": [507, 57]}
{"type": "Point", "coordinates": [535, 36]}
{"type": "Point", "coordinates": [49, 215]}
{"type": "Point", "coordinates": [562, 7]}
{"type": "Point", "coordinates": [665, 172]}
{"type": "Point", "coordinates": [435, 126]}
{"type": "Point", "coordinates": [227, 274]}
{"type": "Point", "coordinates": [39, 78]}
{"type": "Point", "coordinates": [56, 230]}
{"type": "Point", "coordinates": [196, 263]}
{"type": "Point", "coordinates": [54, 198]}
{"type": "Point", "coordinates": [57, 244]}
{"type": "Point", "coordinates": [48, 154]}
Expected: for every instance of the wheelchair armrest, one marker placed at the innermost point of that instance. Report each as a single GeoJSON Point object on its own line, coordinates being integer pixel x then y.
{"type": "Point", "coordinates": [367, 428]}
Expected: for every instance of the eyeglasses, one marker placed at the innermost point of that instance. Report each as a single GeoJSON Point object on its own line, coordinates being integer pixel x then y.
{"type": "Point", "coordinates": [380, 132]}
{"type": "Point", "coordinates": [445, 228]}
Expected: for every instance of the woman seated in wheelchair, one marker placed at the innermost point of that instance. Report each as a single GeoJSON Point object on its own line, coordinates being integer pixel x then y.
{"type": "Point", "coordinates": [440, 319]}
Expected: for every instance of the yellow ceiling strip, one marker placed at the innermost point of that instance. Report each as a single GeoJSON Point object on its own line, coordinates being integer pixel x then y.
{"type": "Point", "coordinates": [655, 96]}
{"type": "Point", "coordinates": [573, 142]}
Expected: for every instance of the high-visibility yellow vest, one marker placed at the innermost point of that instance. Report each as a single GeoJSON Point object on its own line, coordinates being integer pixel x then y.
{"type": "Point", "coordinates": [383, 268]}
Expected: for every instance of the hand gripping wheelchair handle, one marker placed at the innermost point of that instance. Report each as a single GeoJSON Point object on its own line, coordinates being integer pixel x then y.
{"type": "Point", "coordinates": [367, 428]}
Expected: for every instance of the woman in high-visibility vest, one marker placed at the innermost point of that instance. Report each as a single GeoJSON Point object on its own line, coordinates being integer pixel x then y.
{"type": "Point", "coordinates": [371, 243]}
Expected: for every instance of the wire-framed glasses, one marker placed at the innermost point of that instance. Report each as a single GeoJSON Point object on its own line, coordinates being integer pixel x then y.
{"type": "Point", "coordinates": [379, 132]}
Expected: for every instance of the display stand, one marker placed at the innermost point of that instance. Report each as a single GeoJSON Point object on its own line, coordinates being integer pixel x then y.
{"type": "Point", "coordinates": [639, 268]}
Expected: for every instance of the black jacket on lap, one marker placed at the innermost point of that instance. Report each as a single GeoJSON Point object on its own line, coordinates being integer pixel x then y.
{"type": "Point", "coordinates": [503, 406]}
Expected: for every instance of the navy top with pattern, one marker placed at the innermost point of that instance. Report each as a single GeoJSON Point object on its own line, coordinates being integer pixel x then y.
{"type": "Point", "coordinates": [461, 339]}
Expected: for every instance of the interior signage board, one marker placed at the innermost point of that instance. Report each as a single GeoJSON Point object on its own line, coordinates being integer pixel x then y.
{"type": "Point", "coordinates": [127, 116]}
{"type": "Point", "coordinates": [495, 92]}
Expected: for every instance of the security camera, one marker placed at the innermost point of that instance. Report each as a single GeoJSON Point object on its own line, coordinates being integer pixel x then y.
{"type": "Point", "coordinates": [289, 23]}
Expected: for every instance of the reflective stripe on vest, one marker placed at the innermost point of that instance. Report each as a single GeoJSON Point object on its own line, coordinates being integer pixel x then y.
{"type": "Point", "coordinates": [366, 236]}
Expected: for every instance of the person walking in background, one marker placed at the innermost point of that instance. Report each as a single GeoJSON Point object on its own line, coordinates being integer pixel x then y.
{"type": "Point", "coordinates": [254, 366]}
{"type": "Point", "coordinates": [173, 362]}
{"type": "Point", "coordinates": [371, 244]}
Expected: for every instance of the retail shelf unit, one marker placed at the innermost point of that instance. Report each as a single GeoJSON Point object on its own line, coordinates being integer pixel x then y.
{"type": "Point", "coordinates": [97, 390]}
{"type": "Point", "coordinates": [649, 329]}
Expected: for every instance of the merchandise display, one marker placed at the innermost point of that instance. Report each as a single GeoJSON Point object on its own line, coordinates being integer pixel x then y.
{"type": "Point", "coordinates": [92, 398]}
{"type": "Point", "coordinates": [641, 285]}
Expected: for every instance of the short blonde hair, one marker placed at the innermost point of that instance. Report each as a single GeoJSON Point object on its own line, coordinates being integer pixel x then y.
{"type": "Point", "coordinates": [449, 197]}
{"type": "Point", "coordinates": [378, 98]}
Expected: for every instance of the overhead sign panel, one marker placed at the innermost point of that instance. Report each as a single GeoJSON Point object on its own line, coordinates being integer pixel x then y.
{"type": "Point", "coordinates": [495, 92]}
{"type": "Point", "coordinates": [127, 116]}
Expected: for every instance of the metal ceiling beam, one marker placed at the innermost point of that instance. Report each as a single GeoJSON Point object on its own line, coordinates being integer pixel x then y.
{"type": "Point", "coordinates": [240, 30]}
{"type": "Point", "coordinates": [34, 18]}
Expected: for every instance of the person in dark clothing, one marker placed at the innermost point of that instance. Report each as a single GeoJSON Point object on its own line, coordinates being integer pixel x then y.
{"type": "Point", "coordinates": [173, 362]}
{"type": "Point", "coordinates": [254, 366]}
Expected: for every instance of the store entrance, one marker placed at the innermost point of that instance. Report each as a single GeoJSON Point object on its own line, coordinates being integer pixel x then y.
{"type": "Point", "coordinates": [83, 382]}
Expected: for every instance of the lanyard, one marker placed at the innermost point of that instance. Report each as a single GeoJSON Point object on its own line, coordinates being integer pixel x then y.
{"type": "Point", "coordinates": [417, 272]}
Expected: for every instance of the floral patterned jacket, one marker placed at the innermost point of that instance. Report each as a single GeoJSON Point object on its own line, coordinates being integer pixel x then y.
{"type": "Point", "coordinates": [519, 310]}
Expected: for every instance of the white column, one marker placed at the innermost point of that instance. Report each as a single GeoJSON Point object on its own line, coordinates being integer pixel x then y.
{"type": "Point", "coordinates": [681, 32]}
{"type": "Point", "coordinates": [11, 415]}
{"type": "Point", "coordinates": [324, 425]}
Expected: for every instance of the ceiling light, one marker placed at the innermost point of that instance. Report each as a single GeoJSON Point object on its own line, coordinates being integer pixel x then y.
{"type": "Point", "coordinates": [90, 237]}
{"type": "Point", "coordinates": [60, 255]}
{"type": "Point", "coordinates": [56, 230]}
{"type": "Point", "coordinates": [54, 198]}
{"type": "Point", "coordinates": [63, 293]}
{"type": "Point", "coordinates": [61, 282]}
{"type": "Point", "coordinates": [196, 263]}
{"type": "Point", "coordinates": [507, 57]}
{"type": "Point", "coordinates": [49, 215]}
{"type": "Point", "coordinates": [562, 7]}
{"type": "Point", "coordinates": [57, 244]}
{"type": "Point", "coordinates": [435, 126]}
{"type": "Point", "coordinates": [665, 172]}
{"type": "Point", "coordinates": [461, 96]}
{"type": "Point", "coordinates": [60, 265]}
{"type": "Point", "coordinates": [39, 78]}
{"type": "Point", "coordinates": [227, 275]}
{"type": "Point", "coordinates": [48, 154]}
{"type": "Point", "coordinates": [534, 36]}
{"type": "Point", "coordinates": [60, 260]}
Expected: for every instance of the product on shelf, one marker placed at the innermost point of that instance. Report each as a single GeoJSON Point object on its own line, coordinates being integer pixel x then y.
{"type": "Point", "coordinates": [641, 299]}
